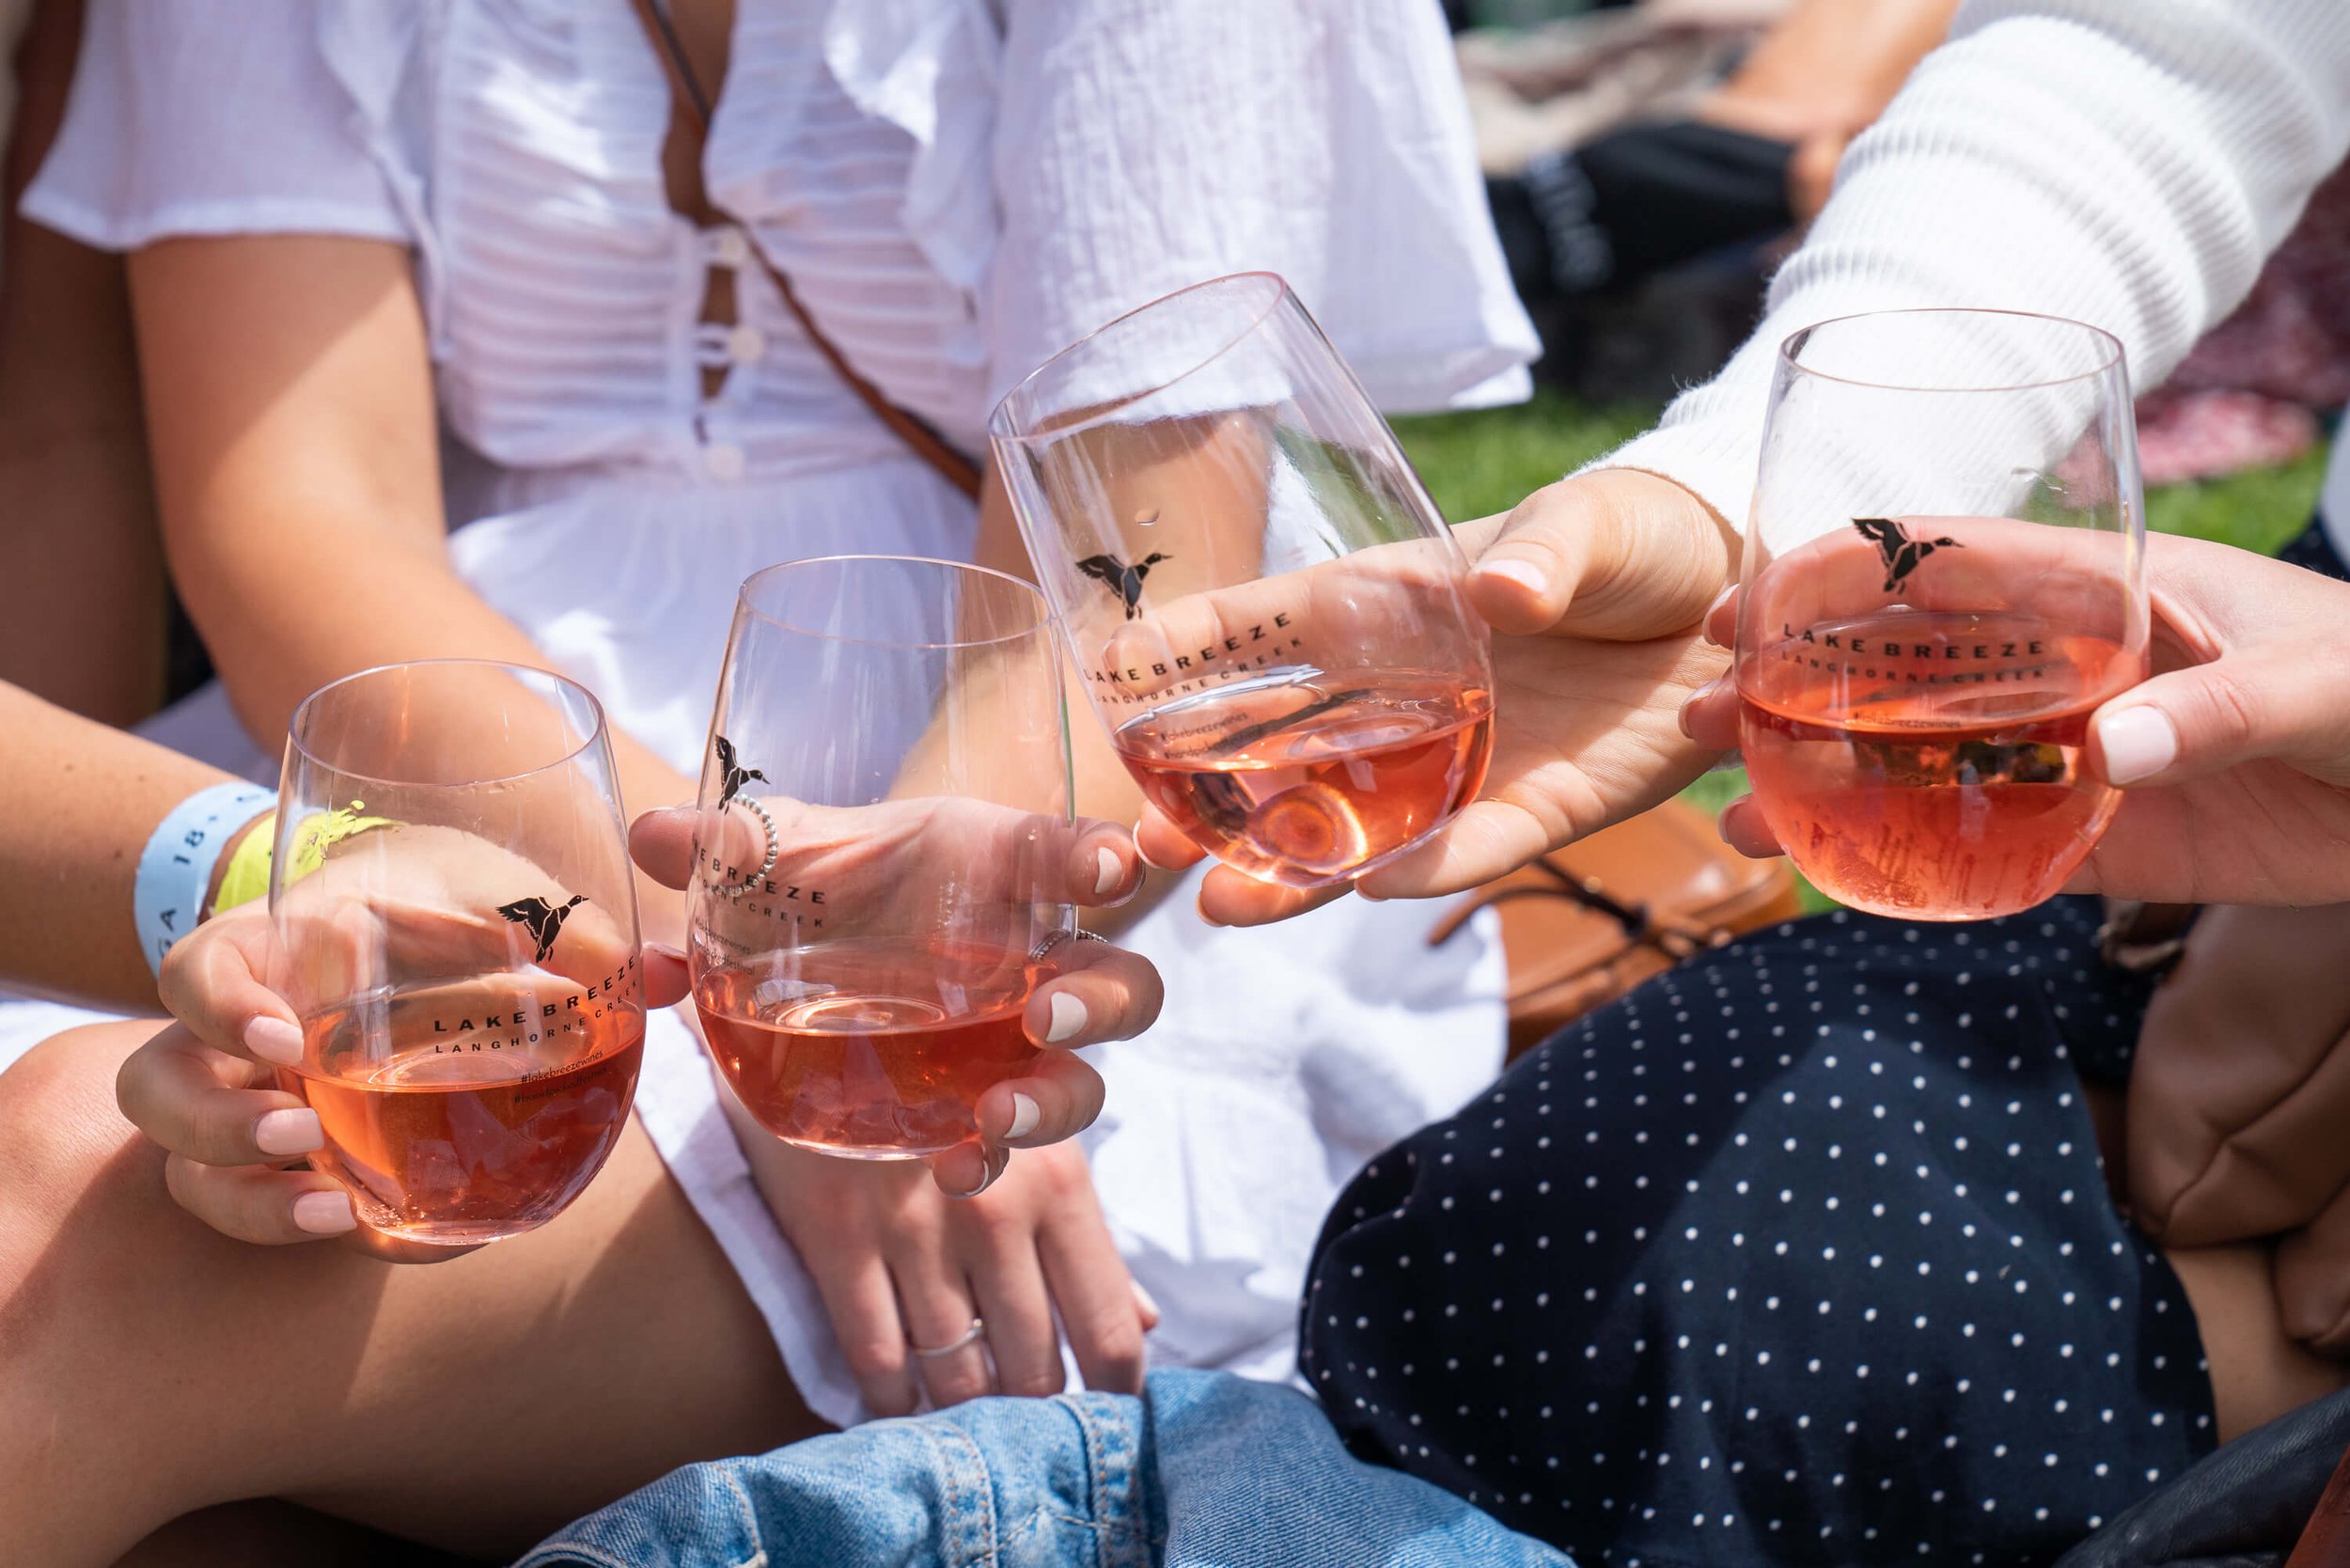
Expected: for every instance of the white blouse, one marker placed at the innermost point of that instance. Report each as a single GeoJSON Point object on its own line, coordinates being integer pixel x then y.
{"type": "Point", "coordinates": [957, 189]}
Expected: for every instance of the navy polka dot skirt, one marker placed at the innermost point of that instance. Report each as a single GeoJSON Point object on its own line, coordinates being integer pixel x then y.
{"type": "Point", "coordinates": [1801, 1254]}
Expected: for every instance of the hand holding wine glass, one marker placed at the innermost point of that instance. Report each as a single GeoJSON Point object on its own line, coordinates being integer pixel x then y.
{"type": "Point", "coordinates": [206, 1086]}
{"type": "Point", "coordinates": [886, 861]}
{"type": "Point", "coordinates": [1264, 608]}
{"type": "Point", "coordinates": [2248, 797]}
{"type": "Point", "coordinates": [876, 865]}
{"type": "Point", "coordinates": [1594, 588]}
{"type": "Point", "coordinates": [447, 984]}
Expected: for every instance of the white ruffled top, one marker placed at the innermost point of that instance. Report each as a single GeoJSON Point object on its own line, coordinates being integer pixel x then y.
{"type": "Point", "coordinates": [958, 189]}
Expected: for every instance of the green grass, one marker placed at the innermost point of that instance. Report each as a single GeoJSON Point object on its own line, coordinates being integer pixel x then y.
{"type": "Point", "coordinates": [1489, 461]}
{"type": "Point", "coordinates": [1486, 461]}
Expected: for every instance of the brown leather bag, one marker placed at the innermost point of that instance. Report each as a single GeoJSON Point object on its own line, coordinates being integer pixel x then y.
{"type": "Point", "coordinates": [1582, 926]}
{"type": "Point", "coordinates": [2239, 1105]}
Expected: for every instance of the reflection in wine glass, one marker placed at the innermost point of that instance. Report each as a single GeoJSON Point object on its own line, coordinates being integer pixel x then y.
{"type": "Point", "coordinates": [1215, 509]}
{"type": "Point", "coordinates": [1944, 580]}
{"type": "Point", "coordinates": [879, 873]}
{"type": "Point", "coordinates": [456, 926]}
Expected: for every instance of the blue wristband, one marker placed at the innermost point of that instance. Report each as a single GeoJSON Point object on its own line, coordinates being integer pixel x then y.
{"type": "Point", "coordinates": [176, 871]}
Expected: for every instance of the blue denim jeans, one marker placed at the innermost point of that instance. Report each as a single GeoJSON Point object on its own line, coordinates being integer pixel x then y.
{"type": "Point", "coordinates": [1206, 1470]}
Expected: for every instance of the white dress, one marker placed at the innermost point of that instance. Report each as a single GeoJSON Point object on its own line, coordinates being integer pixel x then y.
{"type": "Point", "coordinates": [958, 188]}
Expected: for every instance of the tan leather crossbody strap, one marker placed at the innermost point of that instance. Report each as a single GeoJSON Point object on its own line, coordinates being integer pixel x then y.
{"type": "Point", "coordinates": [924, 442]}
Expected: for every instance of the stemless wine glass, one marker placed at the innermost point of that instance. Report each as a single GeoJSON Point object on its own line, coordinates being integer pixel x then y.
{"type": "Point", "coordinates": [1264, 604]}
{"type": "Point", "coordinates": [1944, 578]}
{"type": "Point", "coordinates": [884, 816]}
{"type": "Point", "coordinates": [456, 927]}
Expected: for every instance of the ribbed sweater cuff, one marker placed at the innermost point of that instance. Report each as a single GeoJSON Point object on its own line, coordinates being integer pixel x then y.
{"type": "Point", "coordinates": [1713, 458]}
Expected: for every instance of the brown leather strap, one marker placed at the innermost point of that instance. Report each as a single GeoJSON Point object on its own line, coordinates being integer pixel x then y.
{"type": "Point", "coordinates": [1676, 940]}
{"type": "Point", "coordinates": [2325, 1543]}
{"type": "Point", "coordinates": [924, 442]}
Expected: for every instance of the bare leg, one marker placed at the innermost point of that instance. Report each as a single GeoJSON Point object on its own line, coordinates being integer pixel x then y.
{"type": "Point", "coordinates": [149, 1367]}
{"type": "Point", "coordinates": [2258, 1372]}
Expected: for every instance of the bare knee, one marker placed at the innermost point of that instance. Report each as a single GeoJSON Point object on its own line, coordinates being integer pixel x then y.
{"type": "Point", "coordinates": [82, 1214]}
{"type": "Point", "coordinates": [71, 1169]}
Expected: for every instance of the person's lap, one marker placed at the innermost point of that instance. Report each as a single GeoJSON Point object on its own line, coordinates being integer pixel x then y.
{"type": "Point", "coordinates": [149, 1367]}
{"type": "Point", "coordinates": [1807, 1241]}
{"type": "Point", "coordinates": [1205, 1470]}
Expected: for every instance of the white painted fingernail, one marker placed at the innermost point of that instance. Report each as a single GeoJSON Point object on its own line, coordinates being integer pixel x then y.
{"type": "Point", "coordinates": [274, 1040]}
{"type": "Point", "coordinates": [1025, 1116]}
{"type": "Point", "coordinates": [1524, 573]}
{"type": "Point", "coordinates": [324, 1213]}
{"type": "Point", "coordinates": [1149, 1304]}
{"type": "Point", "coordinates": [1140, 853]}
{"type": "Point", "coordinates": [2138, 743]}
{"type": "Point", "coordinates": [1108, 870]}
{"type": "Point", "coordinates": [1069, 1016]}
{"type": "Point", "coordinates": [288, 1132]}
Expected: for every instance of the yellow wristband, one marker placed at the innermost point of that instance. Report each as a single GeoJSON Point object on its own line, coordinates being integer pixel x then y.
{"type": "Point", "coordinates": [246, 877]}
{"type": "Point", "coordinates": [322, 831]}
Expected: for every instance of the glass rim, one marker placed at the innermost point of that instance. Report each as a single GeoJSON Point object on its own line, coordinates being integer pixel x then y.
{"type": "Point", "coordinates": [1034, 596]}
{"type": "Point", "coordinates": [593, 738]}
{"type": "Point", "coordinates": [997, 422]}
{"type": "Point", "coordinates": [2114, 356]}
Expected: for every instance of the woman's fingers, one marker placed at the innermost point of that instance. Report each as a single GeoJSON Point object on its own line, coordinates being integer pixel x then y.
{"type": "Point", "coordinates": [1710, 717]}
{"type": "Point", "coordinates": [970, 1168]}
{"type": "Point", "coordinates": [662, 845]}
{"type": "Point", "coordinates": [1102, 867]}
{"type": "Point", "coordinates": [1744, 830]}
{"type": "Point", "coordinates": [254, 1203]}
{"type": "Point", "coordinates": [193, 1101]}
{"type": "Point", "coordinates": [212, 984]}
{"type": "Point", "coordinates": [936, 1302]}
{"type": "Point", "coordinates": [1098, 991]}
{"type": "Point", "coordinates": [667, 978]}
{"type": "Point", "coordinates": [1617, 555]}
{"type": "Point", "coordinates": [2244, 706]}
{"type": "Point", "coordinates": [1007, 1288]}
{"type": "Point", "coordinates": [856, 1285]}
{"type": "Point", "coordinates": [1229, 898]}
{"type": "Point", "coordinates": [1054, 1103]}
{"type": "Point", "coordinates": [1161, 844]}
{"type": "Point", "coordinates": [1100, 1306]}
{"type": "Point", "coordinates": [1488, 838]}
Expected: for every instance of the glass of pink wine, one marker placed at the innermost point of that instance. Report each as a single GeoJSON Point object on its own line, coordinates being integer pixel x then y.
{"type": "Point", "coordinates": [1944, 578]}
{"type": "Point", "coordinates": [456, 927]}
{"type": "Point", "coordinates": [880, 860]}
{"type": "Point", "coordinates": [1264, 605]}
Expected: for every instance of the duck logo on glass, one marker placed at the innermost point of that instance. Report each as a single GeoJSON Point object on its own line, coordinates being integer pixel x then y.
{"type": "Point", "coordinates": [1901, 554]}
{"type": "Point", "coordinates": [731, 777]}
{"type": "Point", "coordinates": [1121, 579]}
{"type": "Point", "coordinates": [542, 919]}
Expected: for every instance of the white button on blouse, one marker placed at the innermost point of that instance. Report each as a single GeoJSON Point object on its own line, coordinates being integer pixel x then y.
{"type": "Point", "coordinates": [723, 460]}
{"type": "Point", "coordinates": [746, 345]}
{"type": "Point", "coordinates": [728, 247]}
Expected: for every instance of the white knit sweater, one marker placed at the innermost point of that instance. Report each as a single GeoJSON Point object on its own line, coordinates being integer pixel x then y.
{"type": "Point", "coordinates": [2126, 163]}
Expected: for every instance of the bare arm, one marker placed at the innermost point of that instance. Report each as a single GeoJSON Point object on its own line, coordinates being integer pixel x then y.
{"type": "Point", "coordinates": [78, 802]}
{"type": "Point", "coordinates": [289, 400]}
{"type": "Point", "coordinates": [83, 602]}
